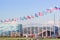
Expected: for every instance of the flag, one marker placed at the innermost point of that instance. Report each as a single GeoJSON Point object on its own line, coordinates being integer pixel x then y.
{"type": "Point", "coordinates": [28, 17]}
{"type": "Point", "coordinates": [17, 19]}
{"type": "Point", "coordinates": [41, 14]}
{"type": "Point", "coordinates": [21, 18]}
{"type": "Point", "coordinates": [24, 18]}
{"type": "Point", "coordinates": [1, 21]}
{"type": "Point", "coordinates": [13, 19]}
{"type": "Point", "coordinates": [44, 12]}
{"type": "Point", "coordinates": [59, 8]}
{"type": "Point", "coordinates": [55, 8]}
{"type": "Point", "coordinates": [49, 10]}
{"type": "Point", "coordinates": [36, 15]}
{"type": "Point", "coordinates": [7, 20]}
{"type": "Point", "coordinates": [32, 16]}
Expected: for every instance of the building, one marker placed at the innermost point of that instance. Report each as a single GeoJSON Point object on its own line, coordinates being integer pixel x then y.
{"type": "Point", "coordinates": [32, 30]}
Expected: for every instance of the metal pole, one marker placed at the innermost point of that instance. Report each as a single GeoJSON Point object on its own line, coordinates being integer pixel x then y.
{"type": "Point", "coordinates": [54, 23]}
{"type": "Point", "coordinates": [59, 28]}
{"type": "Point", "coordinates": [42, 31]}
{"type": "Point", "coordinates": [46, 31]}
{"type": "Point", "coordinates": [50, 31]}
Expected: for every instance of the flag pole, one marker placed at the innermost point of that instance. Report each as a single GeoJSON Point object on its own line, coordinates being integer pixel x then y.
{"type": "Point", "coordinates": [42, 31]}
{"type": "Point", "coordinates": [54, 23]}
{"type": "Point", "coordinates": [46, 31]}
{"type": "Point", "coordinates": [50, 31]}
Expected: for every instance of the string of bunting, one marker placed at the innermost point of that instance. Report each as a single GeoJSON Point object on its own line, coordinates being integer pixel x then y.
{"type": "Point", "coordinates": [31, 16]}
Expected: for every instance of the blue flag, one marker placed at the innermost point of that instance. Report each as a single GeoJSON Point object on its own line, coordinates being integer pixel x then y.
{"type": "Point", "coordinates": [24, 18]}
{"type": "Point", "coordinates": [36, 15]}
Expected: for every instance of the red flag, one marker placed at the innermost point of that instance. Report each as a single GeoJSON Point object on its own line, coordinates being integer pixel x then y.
{"type": "Point", "coordinates": [32, 16]}
{"type": "Point", "coordinates": [56, 8]}
{"type": "Point", "coordinates": [59, 8]}
{"type": "Point", "coordinates": [53, 9]}
{"type": "Point", "coordinates": [28, 17]}
{"type": "Point", "coordinates": [49, 10]}
{"type": "Point", "coordinates": [41, 14]}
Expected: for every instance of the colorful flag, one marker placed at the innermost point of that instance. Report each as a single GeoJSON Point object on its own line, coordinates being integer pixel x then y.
{"type": "Point", "coordinates": [1, 21]}
{"type": "Point", "coordinates": [59, 8]}
{"type": "Point", "coordinates": [56, 8]}
{"type": "Point", "coordinates": [41, 14]}
{"type": "Point", "coordinates": [28, 17]}
{"type": "Point", "coordinates": [32, 16]}
{"type": "Point", "coordinates": [21, 18]}
{"type": "Point", "coordinates": [53, 9]}
{"type": "Point", "coordinates": [24, 18]}
{"type": "Point", "coordinates": [36, 15]}
{"type": "Point", "coordinates": [44, 12]}
{"type": "Point", "coordinates": [7, 20]}
{"type": "Point", "coordinates": [49, 10]}
{"type": "Point", "coordinates": [13, 19]}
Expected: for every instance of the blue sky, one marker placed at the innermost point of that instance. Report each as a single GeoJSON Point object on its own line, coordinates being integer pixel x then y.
{"type": "Point", "coordinates": [17, 8]}
{"type": "Point", "coordinates": [20, 8]}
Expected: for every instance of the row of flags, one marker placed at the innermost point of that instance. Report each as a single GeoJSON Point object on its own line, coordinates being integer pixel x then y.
{"type": "Point", "coordinates": [31, 16]}
{"type": "Point", "coordinates": [53, 9]}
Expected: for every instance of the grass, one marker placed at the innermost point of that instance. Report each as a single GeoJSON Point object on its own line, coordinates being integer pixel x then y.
{"type": "Point", "coordinates": [51, 39]}
{"type": "Point", "coordinates": [6, 38]}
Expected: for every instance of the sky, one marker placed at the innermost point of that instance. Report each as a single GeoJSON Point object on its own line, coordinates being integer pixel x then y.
{"type": "Point", "coordinates": [20, 8]}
